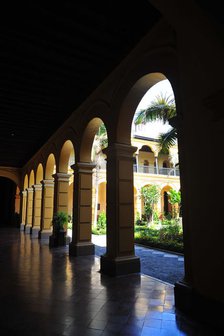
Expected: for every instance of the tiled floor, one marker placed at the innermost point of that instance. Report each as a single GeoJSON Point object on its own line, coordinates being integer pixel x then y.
{"type": "Point", "coordinates": [45, 292]}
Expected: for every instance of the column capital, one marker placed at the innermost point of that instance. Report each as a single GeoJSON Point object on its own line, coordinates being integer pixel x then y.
{"type": "Point", "coordinates": [37, 187]}
{"type": "Point", "coordinates": [83, 167]}
{"type": "Point", "coordinates": [61, 177]}
{"type": "Point", "coordinates": [29, 190]}
{"type": "Point", "coordinates": [119, 149]}
{"type": "Point", "coordinates": [24, 192]}
{"type": "Point", "coordinates": [47, 183]}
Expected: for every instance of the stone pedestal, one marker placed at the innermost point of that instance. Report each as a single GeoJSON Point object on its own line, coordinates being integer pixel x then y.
{"type": "Point", "coordinates": [81, 249]}
{"type": "Point", "coordinates": [120, 265]}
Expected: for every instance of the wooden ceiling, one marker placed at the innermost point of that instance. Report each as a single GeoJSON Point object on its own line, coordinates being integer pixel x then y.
{"type": "Point", "coordinates": [52, 56]}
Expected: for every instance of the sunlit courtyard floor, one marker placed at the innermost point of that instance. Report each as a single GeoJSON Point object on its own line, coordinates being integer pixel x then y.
{"type": "Point", "coordinates": [45, 292]}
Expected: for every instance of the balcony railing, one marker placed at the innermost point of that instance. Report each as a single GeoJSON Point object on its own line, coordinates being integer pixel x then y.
{"type": "Point", "coordinates": [150, 170]}
{"type": "Point", "coordinates": [154, 170]}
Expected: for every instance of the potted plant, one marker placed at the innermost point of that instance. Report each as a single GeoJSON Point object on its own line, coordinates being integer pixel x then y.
{"type": "Point", "coordinates": [60, 225]}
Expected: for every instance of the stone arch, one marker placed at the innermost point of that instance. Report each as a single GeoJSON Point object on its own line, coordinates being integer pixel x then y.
{"type": "Point", "coordinates": [88, 138]}
{"type": "Point", "coordinates": [10, 173]}
{"type": "Point", "coordinates": [39, 173]}
{"type": "Point", "coordinates": [25, 183]}
{"type": "Point", "coordinates": [8, 198]}
{"type": "Point", "coordinates": [50, 166]}
{"type": "Point", "coordinates": [67, 153]}
{"type": "Point", "coordinates": [31, 178]}
{"type": "Point", "coordinates": [165, 205]}
{"type": "Point", "coordinates": [146, 72]}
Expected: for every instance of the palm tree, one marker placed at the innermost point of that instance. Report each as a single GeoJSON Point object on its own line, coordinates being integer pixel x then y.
{"type": "Point", "coordinates": [161, 108]}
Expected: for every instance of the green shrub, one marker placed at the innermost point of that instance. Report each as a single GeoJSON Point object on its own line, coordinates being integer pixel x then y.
{"type": "Point", "coordinates": [99, 231]}
{"type": "Point", "coordinates": [60, 221]}
{"type": "Point", "coordinates": [101, 221]}
{"type": "Point", "coordinates": [168, 237]}
{"type": "Point", "coordinates": [70, 225]}
{"type": "Point", "coordinates": [101, 224]}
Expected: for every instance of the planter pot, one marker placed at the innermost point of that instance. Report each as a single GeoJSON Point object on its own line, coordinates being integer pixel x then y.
{"type": "Point", "coordinates": [58, 239]}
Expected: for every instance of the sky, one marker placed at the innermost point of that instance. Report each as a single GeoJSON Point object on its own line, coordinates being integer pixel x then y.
{"type": "Point", "coordinates": [153, 129]}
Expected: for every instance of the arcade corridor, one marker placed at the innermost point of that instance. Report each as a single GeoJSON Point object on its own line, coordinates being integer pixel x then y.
{"type": "Point", "coordinates": [45, 292]}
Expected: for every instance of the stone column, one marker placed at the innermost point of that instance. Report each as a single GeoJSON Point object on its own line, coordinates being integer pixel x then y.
{"type": "Point", "coordinates": [136, 156]}
{"type": "Point", "coordinates": [157, 166]}
{"type": "Point", "coordinates": [82, 210]}
{"type": "Point", "coordinates": [37, 196]}
{"type": "Point", "coordinates": [46, 208]}
{"type": "Point", "coordinates": [61, 188]}
{"type": "Point", "coordinates": [29, 210]}
{"type": "Point", "coordinates": [120, 255]}
{"type": "Point", "coordinates": [24, 204]}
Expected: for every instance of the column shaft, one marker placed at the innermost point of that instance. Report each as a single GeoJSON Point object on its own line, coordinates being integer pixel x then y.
{"type": "Point", "coordinates": [46, 208]}
{"type": "Point", "coordinates": [82, 210]}
{"type": "Point", "coordinates": [37, 196]}
{"type": "Point", "coordinates": [29, 210]}
{"type": "Point", "coordinates": [120, 256]}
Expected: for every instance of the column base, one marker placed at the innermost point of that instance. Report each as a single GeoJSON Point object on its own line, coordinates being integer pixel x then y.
{"type": "Point", "coordinates": [120, 265]}
{"type": "Point", "coordinates": [81, 249]}
{"type": "Point", "coordinates": [22, 227]}
{"type": "Point", "coordinates": [198, 307]}
{"type": "Point", "coordinates": [44, 234]}
{"type": "Point", "coordinates": [27, 229]}
{"type": "Point", "coordinates": [34, 231]}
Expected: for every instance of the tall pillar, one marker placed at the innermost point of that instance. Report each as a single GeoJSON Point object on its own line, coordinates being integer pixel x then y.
{"type": "Point", "coordinates": [46, 208]}
{"type": "Point", "coordinates": [37, 196]}
{"type": "Point", "coordinates": [137, 163]}
{"type": "Point", "coordinates": [24, 204]}
{"type": "Point", "coordinates": [29, 210]}
{"type": "Point", "coordinates": [61, 190]}
{"type": "Point", "coordinates": [82, 210]}
{"type": "Point", "coordinates": [120, 255]}
{"type": "Point", "coordinates": [157, 165]}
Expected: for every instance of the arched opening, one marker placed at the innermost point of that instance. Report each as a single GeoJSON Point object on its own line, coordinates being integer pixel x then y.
{"type": "Point", "coordinates": [9, 205]}
{"type": "Point", "coordinates": [50, 167]}
{"type": "Point", "coordinates": [25, 184]}
{"type": "Point", "coordinates": [166, 208]}
{"type": "Point", "coordinates": [47, 197]}
{"type": "Point", "coordinates": [66, 161]}
{"type": "Point", "coordinates": [99, 178]}
{"type": "Point", "coordinates": [67, 157]}
{"type": "Point", "coordinates": [39, 174]}
{"type": "Point", "coordinates": [154, 162]}
{"type": "Point", "coordinates": [31, 178]}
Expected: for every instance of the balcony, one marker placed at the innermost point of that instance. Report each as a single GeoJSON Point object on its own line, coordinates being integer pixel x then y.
{"type": "Point", "coordinates": [150, 170]}
{"type": "Point", "coordinates": [157, 171]}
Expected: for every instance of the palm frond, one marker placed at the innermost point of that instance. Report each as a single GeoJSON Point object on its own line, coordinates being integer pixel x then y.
{"type": "Point", "coordinates": [161, 108]}
{"type": "Point", "coordinates": [167, 140]}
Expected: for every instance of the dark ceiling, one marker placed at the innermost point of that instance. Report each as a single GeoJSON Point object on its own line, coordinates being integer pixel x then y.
{"type": "Point", "coordinates": [52, 56]}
